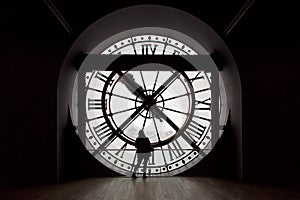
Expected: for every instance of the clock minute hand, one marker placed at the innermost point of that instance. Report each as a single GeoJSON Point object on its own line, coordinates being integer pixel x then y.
{"type": "Point", "coordinates": [131, 85]}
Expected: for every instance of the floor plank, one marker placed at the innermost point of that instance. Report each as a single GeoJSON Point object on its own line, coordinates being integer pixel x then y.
{"type": "Point", "coordinates": [175, 188]}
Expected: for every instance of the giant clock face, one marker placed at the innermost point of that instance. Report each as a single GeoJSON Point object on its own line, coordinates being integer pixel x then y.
{"type": "Point", "coordinates": [177, 115]}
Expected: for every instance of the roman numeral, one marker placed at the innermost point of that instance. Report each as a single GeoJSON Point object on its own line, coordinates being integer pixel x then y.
{"type": "Point", "coordinates": [103, 78]}
{"type": "Point", "coordinates": [206, 102]}
{"type": "Point", "coordinates": [148, 48]}
{"type": "Point", "coordinates": [94, 104]}
{"type": "Point", "coordinates": [102, 130]}
{"type": "Point", "coordinates": [152, 159]}
{"type": "Point", "coordinates": [175, 150]}
{"type": "Point", "coordinates": [122, 150]}
{"type": "Point", "coordinates": [198, 76]}
{"type": "Point", "coordinates": [110, 137]}
{"type": "Point", "coordinates": [195, 130]}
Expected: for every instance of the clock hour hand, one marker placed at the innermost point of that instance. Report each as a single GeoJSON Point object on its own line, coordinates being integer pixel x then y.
{"type": "Point", "coordinates": [129, 82]}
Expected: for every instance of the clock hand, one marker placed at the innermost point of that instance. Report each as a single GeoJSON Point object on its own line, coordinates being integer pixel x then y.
{"type": "Point", "coordinates": [156, 111]}
{"type": "Point", "coordinates": [175, 127]}
{"type": "Point", "coordinates": [131, 85]}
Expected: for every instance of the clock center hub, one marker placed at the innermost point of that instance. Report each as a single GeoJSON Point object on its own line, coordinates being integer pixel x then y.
{"type": "Point", "coordinates": [158, 101]}
{"type": "Point", "coordinates": [150, 102]}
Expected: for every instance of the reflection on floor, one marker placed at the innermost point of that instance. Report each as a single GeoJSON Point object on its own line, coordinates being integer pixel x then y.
{"type": "Point", "coordinates": [183, 188]}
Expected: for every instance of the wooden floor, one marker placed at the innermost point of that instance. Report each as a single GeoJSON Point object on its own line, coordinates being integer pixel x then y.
{"type": "Point", "coordinates": [183, 188]}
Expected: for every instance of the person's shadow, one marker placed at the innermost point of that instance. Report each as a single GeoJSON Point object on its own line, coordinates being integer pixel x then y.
{"type": "Point", "coordinates": [143, 150]}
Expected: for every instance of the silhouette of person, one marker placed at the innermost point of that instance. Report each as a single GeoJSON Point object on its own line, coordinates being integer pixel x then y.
{"type": "Point", "coordinates": [143, 150]}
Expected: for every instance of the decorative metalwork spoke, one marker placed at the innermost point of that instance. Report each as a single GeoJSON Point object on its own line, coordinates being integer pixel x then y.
{"type": "Point", "coordinates": [145, 119]}
{"type": "Point", "coordinates": [177, 111]}
{"type": "Point", "coordinates": [156, 129]}
{"type": "Point", "coordinates": [123, 111]}
{"type": "Point", "coordinates": [202, 90]}
{"type": "Point", "coordinates": [155, 81]}
{"type": "Point", "coordinates": [131, 99]}
{"type": "Point", "coordinates": [173, 98]}
{"type": "Point", "coordinates": [166, 84]}
{"type": "Point", "coordinates": [145, 89]}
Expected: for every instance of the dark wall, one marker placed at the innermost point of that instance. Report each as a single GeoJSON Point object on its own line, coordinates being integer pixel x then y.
{"type": "Point", "coordinates": [265, 45]}
{"type": "Point", "coordinates": [271, 100]}
{"type": "Point", "coordinates": [32, 50]}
